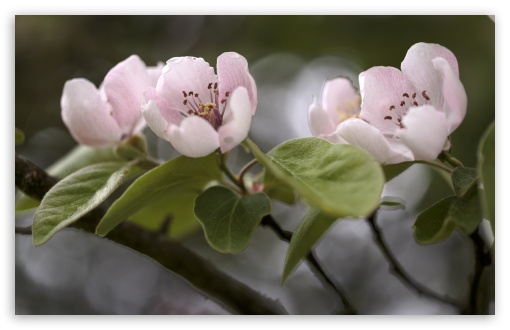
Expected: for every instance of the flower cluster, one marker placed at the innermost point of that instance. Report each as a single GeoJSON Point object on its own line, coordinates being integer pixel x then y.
{"type": "Point", "coordinates": [400, 115]}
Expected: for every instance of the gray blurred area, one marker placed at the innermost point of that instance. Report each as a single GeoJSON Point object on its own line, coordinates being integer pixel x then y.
{"type": "Point", "coordinates": [290, 58]}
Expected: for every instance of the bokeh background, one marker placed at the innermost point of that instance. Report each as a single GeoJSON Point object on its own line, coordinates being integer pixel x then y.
{"type": "Point", "coordinates": [290, 58]}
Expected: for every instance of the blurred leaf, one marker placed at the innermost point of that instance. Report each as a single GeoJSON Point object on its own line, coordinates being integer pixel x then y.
{"type": "Point", "coordinates": [19, 136]}
{"type": "Point", "coordinates": [392, 203]}
{"type": "Point", "coordinates": [74, 196]}
{"type": "Point", "coordinates": [463, 178]}
{"type": "Point", "coordinates": [228, 219]}
{"type": "Point", "coordinates": [177, 176]}
{"type": "Point", "coordinates": [486, 171]}
{"type": "Point", "coordinates": [278, 190]}
{"type": "Point", "coordinates": [486, 291]}
{"type": "Point", "coordinates": [134, 147]}
{"type": "Point", "coordinates": [179, 207]}
{"type": "Point", "coordinates": [340, 180]}
{"type": "Point", "coordinates": [391, 171]}
{"type": "Point", "coordinates": [307, 234]}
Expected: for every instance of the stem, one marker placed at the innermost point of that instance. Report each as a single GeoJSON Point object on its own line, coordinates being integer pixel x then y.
{"type": "Point", "coordinates": [225, 290]}
{"type": "Point", "coordinates": [437, 165]}
{"type": "Point", "coordinates": [222, 163]}
{"type": "Point", "coordinates": [482, 259]}
{"type": "Point", "coordinates": [316, 268]}
{"type": "Point", "coordinates": [245, 170]}
{"type": "Point", "coordinates": [399, 271]}
{"type": "Point", "coordinates": [450, 160]}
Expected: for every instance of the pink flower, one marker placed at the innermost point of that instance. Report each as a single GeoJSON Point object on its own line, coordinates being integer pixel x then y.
{"type": "Point", "coordinates": [105, 116]}
{"type": "Point", "coordinates": [199, 112]}
{"type": "Point", "coordinates": [405, 115]}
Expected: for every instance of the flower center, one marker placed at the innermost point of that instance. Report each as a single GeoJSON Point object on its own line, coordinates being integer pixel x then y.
{"type": "Point", "coordinates": [349, 109]}
{"type": "Point", "coordinates": [395, 113]}
{"type": "Point", "coordinates": [211, 109]}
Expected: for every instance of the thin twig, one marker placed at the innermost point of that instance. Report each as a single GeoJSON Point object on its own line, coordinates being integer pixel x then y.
{"type": "Point", "coordinates": [399, 271]}
{"type": "Point", "coordinates": [437, 165]}
{"type": "Point", "coordinates": [23, 230]}
{"type": "Point", "coordinates": [482, 259]}
{"type": "Point", "coordinates": [286, 236]}
{"type": "Point", "coordinates": [225, 290]}
{"type": "Point", "coordinates": [221, 160]}
{"type": "Point", "coordinates": [245, 170]}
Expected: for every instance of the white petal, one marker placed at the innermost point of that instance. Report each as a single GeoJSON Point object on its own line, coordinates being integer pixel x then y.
{"type": "Point", "coordinates": [425, 132]}
{"type": "Point", "coordinates": [340, 99]}
{"type": "Point", "coordinates": [195, 137]}
{"type": "Point", "coordinates": [386, 151]}
{"type": "Point", "coordinates": [319, 121]}
{"type": "Point", "coordinates": [454, 94]}
{"type": "Point", "coordinates": [154, 118]}
{"type": "Point", "coordinates": [237, 120]}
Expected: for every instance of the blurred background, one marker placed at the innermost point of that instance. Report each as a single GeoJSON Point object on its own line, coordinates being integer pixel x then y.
{"type": "Point", "coordinates": [290, 58]}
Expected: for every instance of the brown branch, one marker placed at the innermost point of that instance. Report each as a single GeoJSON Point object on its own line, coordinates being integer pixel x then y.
{"type": "Point", "coordinates": [225, 290]}
{"type": "Point", "coordinates": [399, 271]}
{"type": "Point", "coordinates": [316, 268]}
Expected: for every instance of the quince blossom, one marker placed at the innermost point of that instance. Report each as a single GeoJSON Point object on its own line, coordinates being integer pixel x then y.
{"type": "Point", "coordinates": [199, 112]}
{"type": "Point", "coordinates": [106, 116]}
{"type": "Point", "coordinates": [404, 115]}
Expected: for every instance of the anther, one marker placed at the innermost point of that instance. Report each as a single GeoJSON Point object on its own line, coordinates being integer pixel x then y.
{"type": "Point", "coordinates": [223, 101]}
{"type": "Point", "coordinates": [388, 118]}
{"type": "Point", "coordinates": [185, 102]}
{"type": "Point", "coordinates": [414, 95]}
{"type": "Point", "coordinates": [227, 93]}
{"type": "Point", "coordinates": [392, 107]}
{"type": "Point", "coordinates": [190, 93]}
{"type": "Point", "coordinates": [190, 112]}
{"type": "Point", "coordinates": [184, 93]}
{"type": "Point", "coordinates": [405, 95]}
{"type": "Point", "coordinates": [402, 103]}
{"type": "Point", "coordinates": [196, 94]}
{"type": "Point", "coordinates": [415, 103]}
{"type": "Point", "coordinates": [209, 86]}
{"type": "Point", "coordinates": [424, 94]}
{"type": "Point", "coordinates": [215, 85]}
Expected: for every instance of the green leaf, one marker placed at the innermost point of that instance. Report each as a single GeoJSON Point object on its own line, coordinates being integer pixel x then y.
{"type": "Point", "coordinates": [463, 178]}
{"type": "Point", "coordinates": [75, 196]}
{"type": "Point", "coordinates": [486, 172]}
{"type": "Point", "coordinates": [179, 207]}
{"type": "Point", "coordinates": [228, 219]}
{"type": "Point", "coordinates": [393, 170]}
{"type": "Point", "coordinates": [177, 176]}
{"type": "Point", "coordinates": [466, 213]}
{"type": "Point", "coordinates": [19, 136]}
{"type": "Point", "coordinates": [278, 190]}
{"type": "Point", "coordinates": [431, 225]}
{"type": "Point", "coordinates": [339, 179]}
{"type": "Point", "coordinates": [78, 158]}
{"type": "Point", "coordinates": [307, 234]}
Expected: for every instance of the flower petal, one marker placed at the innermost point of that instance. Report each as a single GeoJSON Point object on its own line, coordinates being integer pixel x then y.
{"type": "Point", "coordinates": [454, 94]}
{"type": "Point", "coordinates": [386, 151]}
{"type": "Point", "coordinates": [170, 115]}
{"type": "Point", "coordinates": [319, 121]}
{"type": "Point", "coordinates": [195, 137]}
{"type": "Point", "coordinates": [237, 120]}
{"type": "Point", "coordinates": [185, 74]}
{"type": "Point", "coordinates": [382, 88]}
{"type": "Point", "coordinates": [425, 132]}
{"type": "Point", "coordinates": [154, 73]}
{"type": "Point", "coordinates": [124, 85]}
{"type": "Point", "coordinates": [232, 73]}
{"type": "Point", "coordinates": [340, 99]}
{"type": "Point", "coordinates": [419, 70]}
{"type": "Point", "coordinates": [154, 118]}
{"type": "Point", "coordinates": [87, 115]}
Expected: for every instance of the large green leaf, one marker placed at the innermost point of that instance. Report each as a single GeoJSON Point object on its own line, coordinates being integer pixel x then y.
{"type": "Point", "coordinates": [177, 207]}
{"type": "Point", "coordinates": [340, 180]}
{"type": "Point", "coordinates": [78, 158]}
{"type": "Point", "coordinates": [463, 178]}
{"type": "Point", "coordinates": [228, 219]}
{"type": "Point", "coordinates": [278, 190]}
{"type": "Point", "coordinates": [486, 171]}
{"type": "Point", "coordinates": [393, 170]}
{"type": "Point", "coordinates": [309, 231]}
{"type": "Point", "coordinates": [76, 195]}
{"type": "Point", "coordinates": [177, 176]}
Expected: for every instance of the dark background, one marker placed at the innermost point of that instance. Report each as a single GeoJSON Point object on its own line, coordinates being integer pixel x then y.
{"type": "Point", "coordinates": [290, 57]}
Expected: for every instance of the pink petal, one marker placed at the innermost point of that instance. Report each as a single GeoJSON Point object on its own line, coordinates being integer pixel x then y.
{"type": "Point", "coordinates": [382, 88]}
{"type": "Point", "coordinates": [168, 114]}
{"type": "Point", "coordinates": [87, 115]}
{"type": "Point", "coordinates": [319, 121]}
{"type": "Point", "coordinates": [185, 74]}
{"type": "Point", "coordinates": [419, 70]}
{"type": "Point", "coordinates": [386, 151]}
{"type": "Point", "coordinates": [195, 137]}
{"type": "Point", "coordinates": [425, 132]}
{"type": "Point", "coordinates": [124, 86]}
{"type": "Point", "coordinates": [455, 97]}
{"type": "Point", "coordinates": [237, 120]}
{"type": "Point", "coordinates": [154, 119]}
{"type": "Point", "coordinates": [232, 73]}
{"type": "Point", "coordinates": [340, 99]}
{"type": "Point", "coordinates": [154, 72]}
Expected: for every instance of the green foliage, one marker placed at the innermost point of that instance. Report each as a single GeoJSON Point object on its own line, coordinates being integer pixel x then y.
{"type": "Point", "coordinates": [393, 170]}
{"type": "Point", "coordinates": [19, 136]}
{"type": "Point", "coordinates": [463, 178]}
{"type": "Point", "coordinates": [177, 176]}
{"type": "Point", "coordinates": [486, 171]}
{"type": "Point", "coordinates": [340, 180]}
{"type": "Point", "coordinates": [228, 219]}
{"type": "Point", "coordinates": [134, 147]}
{"type": "Point", "coordinates": [309, 231]}
{"type": "Point", "coordinates": [278, 190]}
{"type": "Point", "coordinates": [75, 196]}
